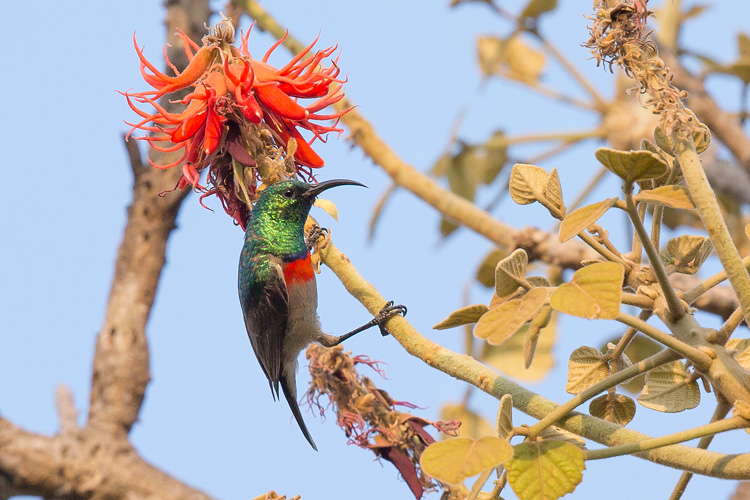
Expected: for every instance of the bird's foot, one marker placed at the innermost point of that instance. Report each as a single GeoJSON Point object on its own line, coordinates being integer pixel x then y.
{"type": "Point", "coordinates": [313, 235]}
{"type": "Point", "coordinates": [389, 310]}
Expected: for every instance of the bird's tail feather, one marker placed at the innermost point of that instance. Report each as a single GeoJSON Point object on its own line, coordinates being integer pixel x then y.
{"type": "Point", "coordinates": [290, 392]}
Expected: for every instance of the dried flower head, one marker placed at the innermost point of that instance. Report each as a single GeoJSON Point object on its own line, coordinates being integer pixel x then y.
{"type": "Point", "coordinates": [369, 416]}
{"type": "Point", "coordinates": [619, 35]}
{"type": "Point", "coordinates": [242, 117]}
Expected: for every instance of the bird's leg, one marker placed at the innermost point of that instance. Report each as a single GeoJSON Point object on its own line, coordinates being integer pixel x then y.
{"type": "Point", "coordinates": [313, 235]}
{"type": "Point", "coordinates": [388, 310]}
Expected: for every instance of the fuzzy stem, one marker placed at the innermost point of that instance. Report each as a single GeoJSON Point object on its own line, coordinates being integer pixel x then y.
{"type": "Point", "coordinates": [676, 309]}
{"type": "Point", "coordinates": [613, 380]}
{"type": "Point", "coordinates": [473, 372]}
{"type": "Point", "coordinates": [698, 357]}
{"type": "Point", "coordinates": [678, 437]}
{"type": "Point", "coordinates": [705, 202]}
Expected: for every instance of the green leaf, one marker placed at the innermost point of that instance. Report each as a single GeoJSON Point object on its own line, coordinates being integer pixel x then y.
{"type": "Point", "coordinates": [669, 196]}
{"type": "Point", "coordinates": [464, 316]}
{"type": "Point", "coordinates": [545, 470]}
{"type": "Point", "coordinates": [510, 271]}
{"type": "Point", "coordinates": [454, 460]}
{"type": "Point", "coordinates": [536, 8]}
{"type": "Point", "coordinates": [670, 388]}
{"type": "Point", "coordinates": [587, 366]}
{"type": "Point", "coordinates": [499, 323]}
{"type": "Point", "coordinates": [593, 292]}
{"type": "Point", "coordinates": [578, 220]}
{"type": "Point", "coordinates": [613, 407]}
{"type": "Point", "coordinates": [632, 166]}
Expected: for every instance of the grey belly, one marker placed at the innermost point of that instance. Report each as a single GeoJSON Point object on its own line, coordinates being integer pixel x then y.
{"type": "Point", "coordinates": [303, 324]}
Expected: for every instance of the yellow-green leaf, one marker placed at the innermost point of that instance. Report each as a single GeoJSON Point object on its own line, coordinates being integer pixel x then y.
{"type": "Point", "coordinates": [578, 220]}
{"type": "Point", "coordinates": [670, 388]}
{"type": "Point", "coordinates": [508, 358]}
{"type": "Point", "coordinates": [521, 62]}
{"type": "Point", "coordinates": [553, 192]}
{"type": "Point", "coordinates": [686, 254]}
{"type": "Point", "coordinates": [669, 196]}
{"type": "Point", "coordinates": [490, 54]}
{"type": "Point", "coordinates": [740, 349]}
{"type": "Point", "coordinates": [505, 417]}
{"type": "Point", "coordinates": [587, 366]}
{"type": "Point", "coordinates": [632, 166]}
{"type": "Point", "coordinates": [498, 324]}
{"type": "Point", "coordinates": [329, 207]}
{"type": "Point", "coordinates": [640, 348]}
{"type": "Point", "coordinates": [473, 425]}
{"type": "Point", "coordinates": [454, 460]}
{"type": "Point", "coordinates": [612, 407]}
{"type": "Point", "coordinates": [539, 321]}
{"type": "Point", "coordinates": [545, 470]}
{"type": "Point", "coordinates": [527, 183]}
{"type": "Point", "coordinates": [510, 271]}
{"type": "Point", "coordinates": [464, 316]}
{"type": "Point", "coordinates": [486, 270]}
{"type": "Point", "coordinates": [556, 433]}
{"type": "Point", "coordinates": [593, 292]}
{"type": "Point", "coordinates": [535, 8]}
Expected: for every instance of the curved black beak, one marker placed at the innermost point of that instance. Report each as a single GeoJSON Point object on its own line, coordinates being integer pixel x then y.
{"type": "Point", "coordinates": [314, 190]}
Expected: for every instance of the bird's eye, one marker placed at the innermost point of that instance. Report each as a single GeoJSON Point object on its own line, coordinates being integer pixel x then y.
{"type": "Point", "coordinates": [289, 193]}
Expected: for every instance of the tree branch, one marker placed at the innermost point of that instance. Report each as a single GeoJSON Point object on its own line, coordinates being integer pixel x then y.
{"type": "Point", "coordinates": [472, 371]}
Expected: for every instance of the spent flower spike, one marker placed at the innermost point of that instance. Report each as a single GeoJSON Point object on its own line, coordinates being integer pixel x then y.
{"type": "Point", "coordinates": [242, 117]}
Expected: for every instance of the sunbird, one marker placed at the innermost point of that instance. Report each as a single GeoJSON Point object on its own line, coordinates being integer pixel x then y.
{"type": "Point", "coordinates": [277, 288]}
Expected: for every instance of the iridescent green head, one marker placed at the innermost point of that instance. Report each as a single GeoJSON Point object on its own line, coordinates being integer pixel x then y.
{"type": "Point", "coordinates": [288, 202]}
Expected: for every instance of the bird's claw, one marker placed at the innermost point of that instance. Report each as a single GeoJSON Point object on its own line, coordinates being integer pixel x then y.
{"type": "Point", "coordinates": [313, 235]}
{"type": "Point", "coordinates": [389, 310]}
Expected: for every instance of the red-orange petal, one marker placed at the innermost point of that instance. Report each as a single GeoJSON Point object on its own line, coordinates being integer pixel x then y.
{"type": "Point", "coordinates": [278, 102]}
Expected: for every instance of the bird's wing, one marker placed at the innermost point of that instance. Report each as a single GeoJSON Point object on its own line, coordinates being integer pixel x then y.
{"type": "Point", "coordinates": [265, 307]}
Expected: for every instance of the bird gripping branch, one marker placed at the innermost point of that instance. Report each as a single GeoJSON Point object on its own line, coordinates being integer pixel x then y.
{"type": "Point", "coordinates": [277, 288]}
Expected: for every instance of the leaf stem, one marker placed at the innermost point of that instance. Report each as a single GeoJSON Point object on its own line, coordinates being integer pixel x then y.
{"type": "Point", "coordinates": [678, 437]}
{"type": "Point", "coordinates": [613, 380]}
{"type": "Point", "coordinates": [676, 309]}
{"type": "Point", "coordinates": [698, 357]}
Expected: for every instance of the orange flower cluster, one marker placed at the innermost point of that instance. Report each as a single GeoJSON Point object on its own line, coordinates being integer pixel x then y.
{"type": "Point", "coordinates": [235, 104]}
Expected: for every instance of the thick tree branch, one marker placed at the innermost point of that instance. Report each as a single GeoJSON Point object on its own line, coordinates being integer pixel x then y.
{"type": "Point", "coordinates": [121, 361]}
{"type": "Point", "coordinates": [97, 461]}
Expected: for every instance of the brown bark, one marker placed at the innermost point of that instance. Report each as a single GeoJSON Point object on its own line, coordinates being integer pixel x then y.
{"type": "Point", "coordinates": [98, 461]}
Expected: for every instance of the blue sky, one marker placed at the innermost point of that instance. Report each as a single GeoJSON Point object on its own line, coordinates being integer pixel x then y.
{"type": "Point", "coordinates": [208, 416]}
